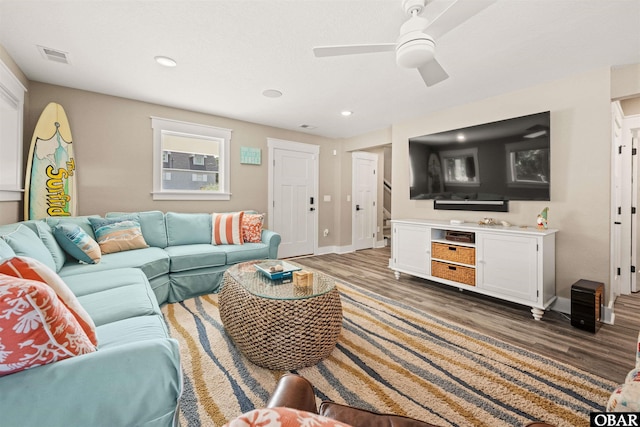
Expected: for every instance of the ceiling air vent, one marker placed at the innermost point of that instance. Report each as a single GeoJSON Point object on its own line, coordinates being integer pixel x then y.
{"type": "Point", "coordinates": [54, 55]}
{"type": "Point", "coordinates": [308, 127]}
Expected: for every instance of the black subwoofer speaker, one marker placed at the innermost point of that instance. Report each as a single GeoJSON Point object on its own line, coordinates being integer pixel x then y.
{"type": "Point", "coordinates": [586, 300]}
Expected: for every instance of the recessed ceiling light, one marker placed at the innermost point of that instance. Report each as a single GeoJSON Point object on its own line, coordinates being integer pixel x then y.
{"type": "Point", "coordinates": [346, 113]}
{"type": "Point", "coordinates": [165, 61]}
{"type": "Point", "coordinates": [272, 93]}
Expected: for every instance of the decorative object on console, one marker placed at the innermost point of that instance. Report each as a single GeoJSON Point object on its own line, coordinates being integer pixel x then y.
{"type": "Point", "coordinates": [487, 221]}
{"type": "Point", "coordinates": [505, 223]}
{"type": "Point", "coordinates": [542, 219]}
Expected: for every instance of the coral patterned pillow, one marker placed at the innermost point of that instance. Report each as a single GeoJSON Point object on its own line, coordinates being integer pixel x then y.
{"type": "Point", "coordinates": [35, 327]}
{"type": "Point", "coordinates": [227, 228]}
{"type": "Point", "coordinates": [252, 228]}
{"type": "Point", "coordinates": [282, 417]}
{"type": "Point", "coordinates": [32, 269]}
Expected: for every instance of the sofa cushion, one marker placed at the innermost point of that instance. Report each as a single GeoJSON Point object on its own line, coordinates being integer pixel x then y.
{"type": "Point", "coordinates": [191, 257]}
{"type": "Point", "coordinates": [44, 232]}
{"type": "Point", "coordinates": [36, 328]}
{"type": "Point", "coordinates": [82, 221]}
{"type": "Point", "coordinates": [153, 262]}
{"type": "Point", "coordinates": [122, 302]}
{"type": "Point", "coordinates": [114, 235]}
{"type": "Point", "coordinates": [227, 228]}
{"type": "Point", "coordinates": [25, 242]}
{"type": "Point", "coordinates": [31, 269]}
{"type": "Point", "coordinates": [90, 283]}
{"type": "Point", "coordinates": [5, 250]}
{"type": "Point", "coordinates": [188, 228]}
{"type": "Point", "coordinates": [246, 252]}
{"type": "Point", "coordinates": [152, 224]}
{"type": "Point", "coordinates": [131, 330]}
{"type": "Point", "coordinates": [77, 243]}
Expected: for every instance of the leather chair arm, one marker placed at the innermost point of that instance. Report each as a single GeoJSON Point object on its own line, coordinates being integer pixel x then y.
{"type": "Point", "coordinates": [294, 391]}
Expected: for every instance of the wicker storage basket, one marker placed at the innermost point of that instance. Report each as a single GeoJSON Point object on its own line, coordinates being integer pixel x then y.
{"type": "Point", "coordinates": [456, 273]}
{"type": "Point", "coordinates": [455, 253]}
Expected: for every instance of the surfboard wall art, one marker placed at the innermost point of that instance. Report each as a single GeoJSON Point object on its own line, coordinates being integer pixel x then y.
{"type": "Point", "coordinates": [50, 182]}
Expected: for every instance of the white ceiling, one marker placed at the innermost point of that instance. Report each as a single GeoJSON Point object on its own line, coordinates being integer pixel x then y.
{"type": "Point", "coordinates": [230, 51]}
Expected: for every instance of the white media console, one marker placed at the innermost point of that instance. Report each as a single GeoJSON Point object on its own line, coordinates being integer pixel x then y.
{"type": "Point", "coordinates": [511, 263]}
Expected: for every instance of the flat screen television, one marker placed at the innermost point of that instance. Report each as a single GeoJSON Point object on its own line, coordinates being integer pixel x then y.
{"type": "Point", "coordinates": [477, 167]}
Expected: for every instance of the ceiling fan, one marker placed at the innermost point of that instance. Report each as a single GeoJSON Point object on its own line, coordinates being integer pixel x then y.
{"type": "Point", "coordinates": [415, 48]}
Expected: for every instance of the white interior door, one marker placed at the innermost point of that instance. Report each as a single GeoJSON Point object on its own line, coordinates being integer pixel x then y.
{"type": "Point", "coordinates": [293, 181]}
{"type": "Point", "coordinates": [365, 195]}
{"type": "Point", "coordinates": [617, 278]}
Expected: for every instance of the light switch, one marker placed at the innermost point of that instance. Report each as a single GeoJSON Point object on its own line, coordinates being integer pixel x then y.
{"type": "Point", "coordinates": [327, 198]}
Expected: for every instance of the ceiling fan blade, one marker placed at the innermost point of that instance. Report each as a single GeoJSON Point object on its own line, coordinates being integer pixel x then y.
{"type": "Point", "coordinates": [432, 73]}
{"type": "Point", "coordinates": [353, 49]}
{"type": "Point", "coordinates": [454, 15]}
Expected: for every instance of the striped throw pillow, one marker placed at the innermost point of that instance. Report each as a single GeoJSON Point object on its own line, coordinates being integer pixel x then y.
{"type": "Point", "coordinates": [227, 228]}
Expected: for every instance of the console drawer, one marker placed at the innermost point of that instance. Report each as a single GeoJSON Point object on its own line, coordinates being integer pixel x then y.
{"type": "Point", "coordinates": [455, 253]}
{"type": "Point", "coordinates": [456, 273]}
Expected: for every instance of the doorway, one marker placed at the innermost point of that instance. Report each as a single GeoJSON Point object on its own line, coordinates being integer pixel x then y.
{"type": "Point", "coordinates": [365, 199]}
{"type": "Point", "coordinates": [624, 196]}
{"type": "Point", "coordinates": [292, 199]}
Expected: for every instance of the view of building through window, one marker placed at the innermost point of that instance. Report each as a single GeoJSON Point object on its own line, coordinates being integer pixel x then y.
{"type": "Point", "coordinates": [190, 163]}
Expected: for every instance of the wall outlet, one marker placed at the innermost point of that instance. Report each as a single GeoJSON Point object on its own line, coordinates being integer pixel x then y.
{"type": "Point", "coordinates": [325, 232]}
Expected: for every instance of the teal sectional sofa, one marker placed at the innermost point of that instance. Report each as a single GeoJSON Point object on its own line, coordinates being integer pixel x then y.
{"type": "Point", "coordinates": [134, 378]}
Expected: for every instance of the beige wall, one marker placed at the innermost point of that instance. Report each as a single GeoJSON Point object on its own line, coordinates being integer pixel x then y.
{"type": "Point", "coordinates": [631, 106]}
{"type": "Point", "coordinates": [625, 81]}
{"type": "Point", "coordinates": [580, 168]}
{"type": "Point", "coordinates": [113, 142]}
{"type": "Point", "coordinates": [12, 211]}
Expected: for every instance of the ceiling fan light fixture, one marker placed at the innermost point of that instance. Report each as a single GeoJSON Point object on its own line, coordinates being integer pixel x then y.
{"type": "Point", "coordinates": [415, 53]}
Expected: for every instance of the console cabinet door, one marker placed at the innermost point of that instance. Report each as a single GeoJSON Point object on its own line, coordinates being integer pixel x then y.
{"type": "Point", "coordinates": [411, 248]}
{"type": "Point", "coordinates": [508, 266]}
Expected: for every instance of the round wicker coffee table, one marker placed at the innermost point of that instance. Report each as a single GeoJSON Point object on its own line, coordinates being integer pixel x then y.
{"type": "Point", "coordinates": [278, 325]}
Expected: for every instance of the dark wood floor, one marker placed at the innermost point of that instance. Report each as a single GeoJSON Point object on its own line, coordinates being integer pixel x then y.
{"type": "Point", "coordinates": [609, 353]}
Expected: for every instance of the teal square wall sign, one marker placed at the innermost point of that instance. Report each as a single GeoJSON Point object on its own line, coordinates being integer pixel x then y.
{"type": "Point", "coordinates": [250, 156]}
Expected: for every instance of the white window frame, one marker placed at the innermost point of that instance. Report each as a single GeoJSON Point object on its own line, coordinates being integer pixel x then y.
{"type": "Point", "coordinates": [162, 126]}
{"type": "Point", "coordinates": [11, 126]}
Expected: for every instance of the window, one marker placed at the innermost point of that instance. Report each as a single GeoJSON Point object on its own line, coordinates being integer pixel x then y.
{"type": "Point", "coordinates": [191, 161]}
{"type": "Point", "coordinates": [11, 110]}
{"type": "Point", "coordinates": [460, 167]}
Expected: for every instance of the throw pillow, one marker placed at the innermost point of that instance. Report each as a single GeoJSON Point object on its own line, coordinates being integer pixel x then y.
{"type": "Point", "coordinates": [282, 417]}
{"type": "Point", "coordinates": [252, 228]}
{"type": "Point", "coordinates": [31, 269]}
{"type": "Point", "coordinates": [77, 243]}
{"type": "Point", "coordinates": [227, 228]}
{"type": "Point", "coordinates": [35, 327]}
{"type": "Point", "coordinates": [115, 235]}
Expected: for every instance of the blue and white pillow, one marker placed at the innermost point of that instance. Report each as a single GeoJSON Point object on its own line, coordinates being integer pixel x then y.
{"type": "Point", "coordinates": [77, 243]}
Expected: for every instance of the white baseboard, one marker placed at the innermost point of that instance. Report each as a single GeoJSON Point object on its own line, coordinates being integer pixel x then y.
{"type": "Point", "coordinates": [335, 250]}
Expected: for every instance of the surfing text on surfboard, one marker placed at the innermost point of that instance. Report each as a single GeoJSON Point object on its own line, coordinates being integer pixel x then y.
{"type": "Point", "coordinates": [57, 197]}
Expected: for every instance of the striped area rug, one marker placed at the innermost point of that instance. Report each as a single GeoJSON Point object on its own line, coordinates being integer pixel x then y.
{"type": "Point", "coordinates": [389, 358]}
